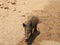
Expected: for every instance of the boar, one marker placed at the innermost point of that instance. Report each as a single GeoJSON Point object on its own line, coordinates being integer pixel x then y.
{"type": "Point", "coordinates": [30, 26]}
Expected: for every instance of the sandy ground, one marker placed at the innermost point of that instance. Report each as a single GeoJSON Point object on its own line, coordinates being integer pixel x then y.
{"type": "Point", "coordinates": [14, 12]}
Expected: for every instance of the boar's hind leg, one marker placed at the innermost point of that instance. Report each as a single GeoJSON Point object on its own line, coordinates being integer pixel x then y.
{"type": "Point", "coordinates": [35, 28]}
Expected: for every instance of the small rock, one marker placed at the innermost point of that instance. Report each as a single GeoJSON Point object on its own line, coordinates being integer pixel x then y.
{"type": "Point", "coordinates": [13, 2]}
{"type": "Point", "coordinates": [1, 7]}
{"type": "Point", "coordinates": [1, 3]}
{"type": "Point", "coordinates": [14, 9]}
{"type": "Point", "coordinates": [19, 11]}
{"type": "Point", "coordinates": [6, 7]}
{"type": "Point", "coordinates": [23, 15]}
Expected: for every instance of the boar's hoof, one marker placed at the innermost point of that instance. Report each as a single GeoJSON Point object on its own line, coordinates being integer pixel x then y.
{"type": "Point", "coordinates": [31, 34]}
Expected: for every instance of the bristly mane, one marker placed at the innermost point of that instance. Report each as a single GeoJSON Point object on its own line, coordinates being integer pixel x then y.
{"type": "Point", "coordinates": [31, 19]}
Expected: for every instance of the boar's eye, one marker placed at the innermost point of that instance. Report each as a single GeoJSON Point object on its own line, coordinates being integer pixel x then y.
{"type": "Point", "coordinates": [24, 25]}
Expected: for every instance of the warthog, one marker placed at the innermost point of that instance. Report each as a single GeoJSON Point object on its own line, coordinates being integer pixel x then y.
{"type": "Point", "coordinates": [30, 26]}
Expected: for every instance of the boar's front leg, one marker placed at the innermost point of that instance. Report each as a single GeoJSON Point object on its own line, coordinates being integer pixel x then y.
{"type": "Point", "coordinates": [35, 28]}
{"type": "Point", "coordinates": [31, 33]}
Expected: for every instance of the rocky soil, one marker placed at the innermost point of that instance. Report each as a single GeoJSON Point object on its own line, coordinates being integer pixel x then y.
{"type": "Point", "coordinates": [14, 12]}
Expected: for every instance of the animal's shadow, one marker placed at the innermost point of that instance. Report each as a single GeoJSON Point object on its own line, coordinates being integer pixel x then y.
{"type": "Point", "coordinates": [31, 38]}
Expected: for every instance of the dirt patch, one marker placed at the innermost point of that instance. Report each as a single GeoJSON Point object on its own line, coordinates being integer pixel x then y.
{"type": "Point", "coordinates": [14, 12]}
{"type": "Point", "coordinates": [49, 27]}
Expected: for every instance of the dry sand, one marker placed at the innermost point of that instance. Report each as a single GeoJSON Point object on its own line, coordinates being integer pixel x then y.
{"type": "Point", "coordinates": [14, 12]}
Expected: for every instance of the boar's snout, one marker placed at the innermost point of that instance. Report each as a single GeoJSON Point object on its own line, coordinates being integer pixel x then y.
{"type": "Point", "coordinates": [26, 40]}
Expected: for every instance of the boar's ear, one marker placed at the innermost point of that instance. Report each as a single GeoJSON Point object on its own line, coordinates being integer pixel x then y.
{"type": "Point", "coordinates": [24, 25]}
